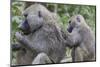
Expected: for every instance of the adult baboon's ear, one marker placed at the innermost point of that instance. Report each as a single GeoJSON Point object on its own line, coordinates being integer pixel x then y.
{"type": "Point", "coordinates": [39, 14]}
{"type": "Point", "coordinates": [78, 19]}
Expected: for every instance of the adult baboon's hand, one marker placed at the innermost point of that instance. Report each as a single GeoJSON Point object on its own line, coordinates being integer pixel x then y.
{"type": "Point", "coordinates": [18, 36]}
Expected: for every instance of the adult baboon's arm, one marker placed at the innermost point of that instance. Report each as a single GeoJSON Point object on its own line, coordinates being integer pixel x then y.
{"type": "Point", "coordinates": [16, 47]}
{"type": "Point", "coordinates": [23, 40]}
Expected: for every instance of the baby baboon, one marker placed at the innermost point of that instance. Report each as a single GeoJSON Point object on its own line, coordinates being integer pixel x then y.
{"type": "Point", "coordinates": [81, 38]}
{"type": "Point", "coordinates": [41, 35]}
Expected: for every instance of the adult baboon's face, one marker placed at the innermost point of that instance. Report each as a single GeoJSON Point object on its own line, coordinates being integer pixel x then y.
{"type": "Point", "coordinates": [74, 22]}
{"type": "Point", "coordinates": [24, 27]}
{"type": "Point", "coordinates": [33, 20]}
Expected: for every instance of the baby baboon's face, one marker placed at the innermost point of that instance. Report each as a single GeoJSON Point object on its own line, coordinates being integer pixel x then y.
{"type": "Point", "coordinates": [74, 22]}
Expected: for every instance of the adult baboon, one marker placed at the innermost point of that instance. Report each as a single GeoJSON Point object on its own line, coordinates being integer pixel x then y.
{"type": "Point", "coordinates": [41, 35]}
{"type": "Point", "coordinates": [81, 38]}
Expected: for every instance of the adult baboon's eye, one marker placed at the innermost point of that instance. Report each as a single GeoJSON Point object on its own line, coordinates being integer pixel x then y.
{"type": "Point", "coordinates": [39, 14]}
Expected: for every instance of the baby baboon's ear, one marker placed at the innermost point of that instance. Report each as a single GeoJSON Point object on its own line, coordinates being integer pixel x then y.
{"type": "Point", "coordinates": [78, 18]}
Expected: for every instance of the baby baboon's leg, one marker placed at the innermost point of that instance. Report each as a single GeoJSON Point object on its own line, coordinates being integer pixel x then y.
{"type": "Point", "coordinates": [41, 58]}
{"type": "Point", "coordinates": [78, 54]}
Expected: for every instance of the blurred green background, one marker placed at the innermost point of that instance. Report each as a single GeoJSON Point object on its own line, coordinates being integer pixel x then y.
{"type": "Point", "coordinates": [65, 11]}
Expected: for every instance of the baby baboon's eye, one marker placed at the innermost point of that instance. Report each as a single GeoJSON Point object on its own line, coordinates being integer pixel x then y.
{"type": "Point", "coordinates": [39, 14]}
{"type": "Point", "coordinates": [69, 22]}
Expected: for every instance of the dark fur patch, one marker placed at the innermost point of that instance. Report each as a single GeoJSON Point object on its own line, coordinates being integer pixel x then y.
{"type": "Point", "coordinates": [25, 27]}
{"type": "Point", "coordinates": [70, 29]}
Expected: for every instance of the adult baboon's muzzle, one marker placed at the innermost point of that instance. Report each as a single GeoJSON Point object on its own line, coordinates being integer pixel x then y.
{"type": "Point", "coordinates": [24, 27]}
